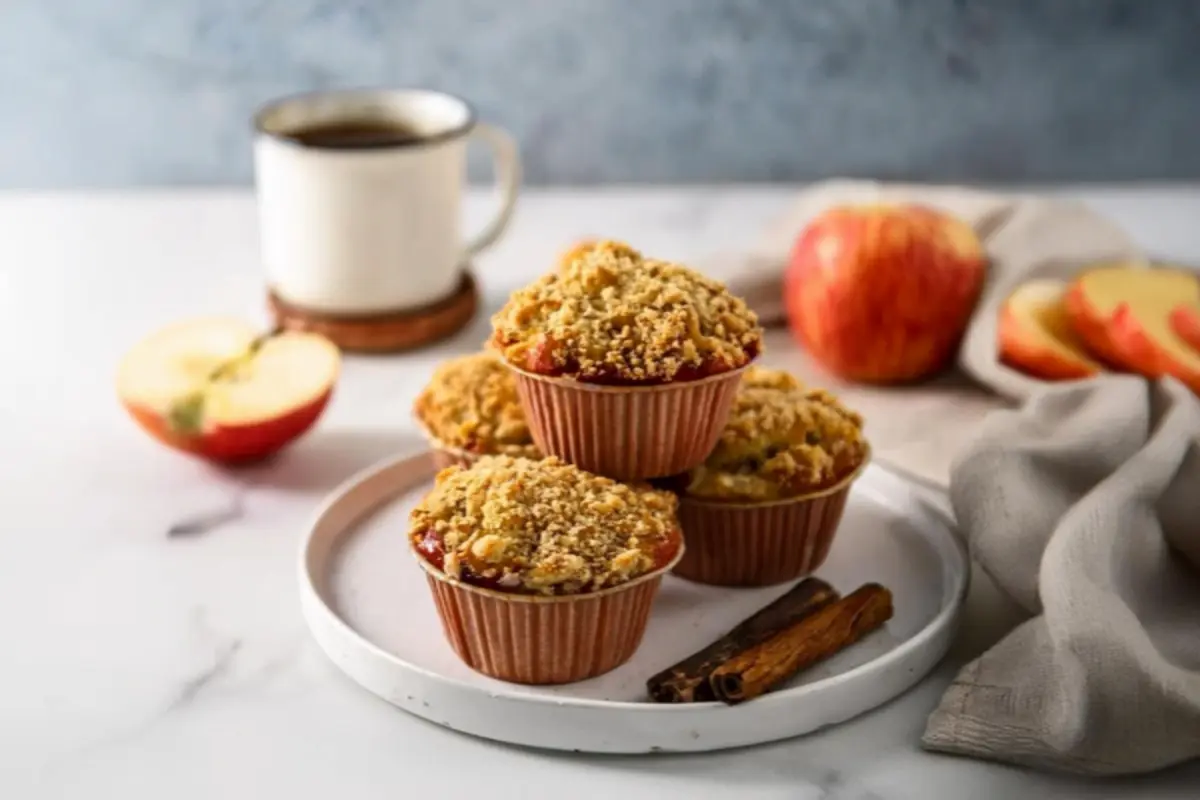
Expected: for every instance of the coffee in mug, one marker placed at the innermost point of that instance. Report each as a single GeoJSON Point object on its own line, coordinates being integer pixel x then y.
{"type": "Point", "coordinates": [355, 135]}
{"type": "Point", "coordinates": [360, 197]}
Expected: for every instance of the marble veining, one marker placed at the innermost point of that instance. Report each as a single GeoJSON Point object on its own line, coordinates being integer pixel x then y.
{"type": "Point", "coordinates": [141, 92]}
{"type": "Point", "coordinates": [142, 666]}
{"type": "Point", "coordinates": [205, 521]}
{"type": "Point", "coordinates": [222, 660]}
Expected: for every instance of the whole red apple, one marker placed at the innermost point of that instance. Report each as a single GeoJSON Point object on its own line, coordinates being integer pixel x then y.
{"type": "Point", "coordinates": [882, 293]}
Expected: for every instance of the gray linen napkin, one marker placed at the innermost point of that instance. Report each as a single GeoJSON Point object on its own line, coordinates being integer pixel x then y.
{"type": "Point", "coordinates": [1084, 507]}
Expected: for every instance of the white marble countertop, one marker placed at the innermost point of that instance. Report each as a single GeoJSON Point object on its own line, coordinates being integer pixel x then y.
{"type": "Point", "coordinates": [135, 666]}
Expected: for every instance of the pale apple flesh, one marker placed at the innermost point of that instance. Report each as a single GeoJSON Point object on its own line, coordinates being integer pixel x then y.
{"type": "Point", "coordinates": [216, 388]}
{"type": "Point", "coordinates": [1036, 338]}
{"type": "Point", "coordinates": [1135, 309]}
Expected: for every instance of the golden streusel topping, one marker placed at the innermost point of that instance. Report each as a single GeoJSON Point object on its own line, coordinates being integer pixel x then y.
{"type": "Point", "coordinates": [782, 440]}
{"type": "Point", "coordinates": [471, 403]}
{"type": "Point", "coordinates": [543, 527]}
{"type": "Point", "coordinates": [607, 314]}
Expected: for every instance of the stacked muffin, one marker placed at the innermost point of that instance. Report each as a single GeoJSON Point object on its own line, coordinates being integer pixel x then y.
{"type": "Point", "coordinates": [620, 369]}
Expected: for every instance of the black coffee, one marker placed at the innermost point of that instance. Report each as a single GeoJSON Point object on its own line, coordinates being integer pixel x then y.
{"type": "Point", "coordinates": [352, 135]}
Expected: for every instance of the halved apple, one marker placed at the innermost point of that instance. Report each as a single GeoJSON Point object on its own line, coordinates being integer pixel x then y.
{"type": "Point", "coordinates": [1130, 315]}
{"type": "Point", "coordinates": [1036, 338]}
{"type": "Point", "coordinates": [220, 390]}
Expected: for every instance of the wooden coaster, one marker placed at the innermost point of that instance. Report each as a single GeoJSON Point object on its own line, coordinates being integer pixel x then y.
{"type": "Point", "coordinates": [388, 332]}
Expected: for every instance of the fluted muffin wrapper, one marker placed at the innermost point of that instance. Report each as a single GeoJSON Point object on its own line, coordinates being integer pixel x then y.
{"type": "Point", "coordinates": [538, 640]}
{"type": "Point", "coordinates": [628, 432]}
{"type": "Point", "coordinates": [760, 544]}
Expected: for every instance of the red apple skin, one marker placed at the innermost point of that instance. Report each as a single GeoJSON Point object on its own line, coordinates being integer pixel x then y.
{"type": "Point", "coordinates": [1185, 321]}
{"type": "Point", "coordinates": [1091, 326]}
{"type": "Point", "coordinates": [234, 444]}
{"type": "Point", "coordinates": [882, 294]}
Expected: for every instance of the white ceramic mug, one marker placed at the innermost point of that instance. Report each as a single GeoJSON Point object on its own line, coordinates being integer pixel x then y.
{"type": "Point", "coordinates": [372, 226]}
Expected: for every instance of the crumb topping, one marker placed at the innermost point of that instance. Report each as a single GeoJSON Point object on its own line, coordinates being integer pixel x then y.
{"type": "Point", "coordinates": [542, 527]}
{"type": "Point", "coordinates": [606, 314]}
{"type": "Point", "coordinates": [782, 440]}
{"type": "Point", "coordinates": [471, 403]}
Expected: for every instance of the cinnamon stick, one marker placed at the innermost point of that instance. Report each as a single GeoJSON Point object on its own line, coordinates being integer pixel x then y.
{"type": "Point", "coordinates": [688, 680]}
{"type": "Point", "coordinates": [833, 627]}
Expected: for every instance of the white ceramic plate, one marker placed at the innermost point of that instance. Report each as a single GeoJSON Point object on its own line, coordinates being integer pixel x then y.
{"type": "Point", "coordinates": [369, 608]}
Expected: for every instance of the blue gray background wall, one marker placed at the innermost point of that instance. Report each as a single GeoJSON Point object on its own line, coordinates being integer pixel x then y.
{"type": "Point", "coordinates": [154, 92]}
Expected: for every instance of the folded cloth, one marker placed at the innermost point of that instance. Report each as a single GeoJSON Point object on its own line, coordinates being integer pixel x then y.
{"type": "Point", "coordinates": [1026, 236]}
{"type": "Point", "coordinates": [1083, 507]}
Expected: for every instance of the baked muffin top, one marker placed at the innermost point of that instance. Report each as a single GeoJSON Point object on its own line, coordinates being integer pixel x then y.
{"type": "Point", "coordinates": [471, 403]}
{"type": "Point", "coordinates": [608, 315]}
{"type": "Point", "coordinates": [781, 441]}
{"type": "Point", "coordinates": [542, 527]}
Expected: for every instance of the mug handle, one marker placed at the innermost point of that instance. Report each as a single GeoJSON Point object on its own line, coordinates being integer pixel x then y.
{"type": "Point", "coordinates": [506, 158]}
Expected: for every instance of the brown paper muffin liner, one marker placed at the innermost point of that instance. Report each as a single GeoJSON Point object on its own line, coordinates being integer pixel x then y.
{"type": "Point", "coordinates": [628, 432]}
{"type": "Point", "coordinates": [544, 640]}
{"type": "Point", "coordinates": [760, 544]}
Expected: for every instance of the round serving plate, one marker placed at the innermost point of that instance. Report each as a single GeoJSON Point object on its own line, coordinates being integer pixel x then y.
{"type": "Point", "coordinates": [368, 605]}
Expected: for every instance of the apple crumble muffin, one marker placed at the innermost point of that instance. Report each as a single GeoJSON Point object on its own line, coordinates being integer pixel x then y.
{"type": "Point", "coordinates": [608, 315]}
{"type": "Point", "coordinates": [781, 441]}
{"type": "Point", "coordinates": [542, 527]}
{"type": "Point", "coordinates": [471, 404]}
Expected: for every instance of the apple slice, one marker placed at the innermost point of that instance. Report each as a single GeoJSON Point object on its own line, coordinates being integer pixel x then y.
{"type": "Point", "coordinates": [1090, 325]}
{"type": "Point", "coordinates": [1131, 316]}
{"type": "Point", "coordinates": [218, 389]}
{"type": "Point", "coordinates": [1036, 338]}
{"type": "Point", "coordinates": [1185, 321]}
